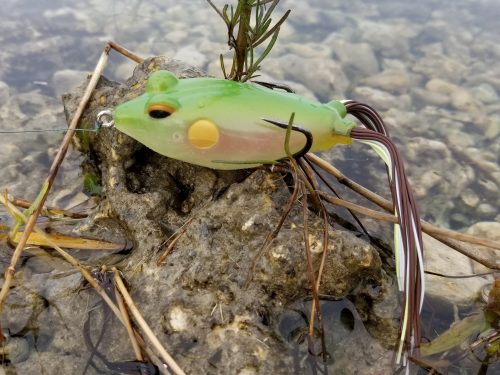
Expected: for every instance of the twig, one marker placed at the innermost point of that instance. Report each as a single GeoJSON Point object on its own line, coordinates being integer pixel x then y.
{"type": "Point", "coordinates": [368, 194]}
{"type": "Point", "coordinates": [467, 250]}
{"type": "Point", "coordinates": [144, 326]}
{"type": "Point", "coordinates": [312, 180]}
{"type": "Point", "coordinates": [173, 240]}
{"type": "Point", "coordinates": [128, 326]}
{"type": "Point", "coordinates": [387, 205]}
{"type": "Point", "coordinates": [125, 52]}
{"type": "Point", "coordinates": [310, 268]}
{"type": "Point", "coordinates": [357, 208]}
{"type": "Point", "coordinates": [46, 210]}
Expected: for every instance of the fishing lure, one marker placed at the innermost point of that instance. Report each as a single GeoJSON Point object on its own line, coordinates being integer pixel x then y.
{"type": "Point", "coordinates": [224, 124]}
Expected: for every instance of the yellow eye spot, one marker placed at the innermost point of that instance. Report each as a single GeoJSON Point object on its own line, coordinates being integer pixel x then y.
{"type": "Point", "coordinates": [203, 134]}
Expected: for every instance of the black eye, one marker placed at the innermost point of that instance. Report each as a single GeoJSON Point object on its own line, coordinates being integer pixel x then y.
{"type": "Point", "coordinates": [159, 114]}
{"type": "Point", "coordinates": [159, 111]}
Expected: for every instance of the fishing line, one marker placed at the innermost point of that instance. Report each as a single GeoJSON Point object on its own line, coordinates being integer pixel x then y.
{"type": "Point", "coordinates": [63, 130]}
{"type": "Point", "coordinates": [104, 119]}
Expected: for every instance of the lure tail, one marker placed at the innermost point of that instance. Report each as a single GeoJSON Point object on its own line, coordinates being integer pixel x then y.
{"type": "Point", "coordinates": [407, 233]}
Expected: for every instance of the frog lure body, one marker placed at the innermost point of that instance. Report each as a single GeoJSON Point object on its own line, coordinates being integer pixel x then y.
{"type": "Point", "coordinates": [224, 124]}
{"type": "Point", "coordinates": [212, 122]}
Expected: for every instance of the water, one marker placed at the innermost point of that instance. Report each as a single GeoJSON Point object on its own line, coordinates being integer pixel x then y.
{"type": "Point", "coordinates": [430, 68]}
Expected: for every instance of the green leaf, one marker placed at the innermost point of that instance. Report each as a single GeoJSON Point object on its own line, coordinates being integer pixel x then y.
{"type": "Point", "coordinates": [91, 184]}
{"type": "Point", "coordinates": [456, 335]}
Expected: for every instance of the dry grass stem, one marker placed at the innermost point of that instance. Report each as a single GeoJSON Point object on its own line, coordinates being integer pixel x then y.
{"type": "Point", "coordinates": [144, 326]}
{"type": "Point", "coordinates": [46, 210]}
{"type": "Point", "coordinates": [173, 240]}
{"type": "Point", "coordinates": [360, 209]}
{"type": "Point", "coordinates": [125, 52]}
{"type": "Point", "coordinates": [128, 326]}
{"type": "Point", "coordinates": [315, 191]}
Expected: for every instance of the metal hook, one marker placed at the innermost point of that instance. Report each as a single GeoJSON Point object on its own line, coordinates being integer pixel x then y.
{"type": "Point", "coordinates": [105, 119]}
{"type": "Point", "coordinates": [305, 132]}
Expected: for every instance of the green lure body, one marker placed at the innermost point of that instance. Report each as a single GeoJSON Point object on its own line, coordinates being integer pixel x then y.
{"type": "Point", "coordinates": [219, 123]}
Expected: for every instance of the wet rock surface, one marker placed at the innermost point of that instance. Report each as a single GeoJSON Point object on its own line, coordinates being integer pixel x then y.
{"type": "Point", "coordinates": [197, 301]}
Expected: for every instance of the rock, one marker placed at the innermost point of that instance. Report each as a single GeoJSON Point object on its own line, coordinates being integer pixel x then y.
{"type": "Point", "coordinates": [17, 350]}
{"type": "Point", "coordinates": [327, 80]}
{"type": "Point", "coordinates": [489, 186]}
{"type": "Point", "coordinates": [24, 304]}
{"type": "Point", "coordinates": [430, 98]}
{"type": "Point", "coordinates": [381, 100]}
{"type": "Point", "coordinates": [198, 296]}
{"type": "Point", "coordinates": [356, 58]}
{"type": "Point", "coordinates": [486, 93]}
{"type": "Point", "coordinates": [437, 177]}
{"type": "Point", "coordinates": [463, 100]}
{"type": "Point", "coordinates": [442, 259]}
{"type": "Point", "coordinates": [487, 210]}
{"type": "Point", "coordinates": [490, 230]}
{"type": "Point", "coordinates": [469, 197]}
{"type": "Point", "coordinates": [436, 65]}
{"type": "Point", "coordinates": [440, 86]}
{"type": "Point", "coordinates": [393, 81]}
{"type": "Point", "coordinates": [391, 40]}
{"type": "Point", "coordinates": [307, 51]}
{"type": "Point", "coordinates": [492, 126]}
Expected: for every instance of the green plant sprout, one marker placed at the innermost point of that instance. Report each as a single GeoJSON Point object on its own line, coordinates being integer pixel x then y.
{"type": "Point", "coordinates": [244, 35]}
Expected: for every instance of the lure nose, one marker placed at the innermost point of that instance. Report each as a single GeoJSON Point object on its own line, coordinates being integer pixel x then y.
{"type": "Point", "coordinates": [126, 114]}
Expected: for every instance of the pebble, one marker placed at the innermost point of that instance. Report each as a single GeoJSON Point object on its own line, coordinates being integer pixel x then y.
{"type": "Point", "coordinates": [487, 210]}
{"type": "Point", "coordinates": [440, 86]}
{"type": "Point", "coordinates": [486, 93]}
{"type": "Point", "coordinates": [469, 197]}
{"type": "Point", "coordinates": [458, 138]}
{"type": "Point", "coordinates": [464, 100]}
{"type": "Point", "coordinates": [489, 185]}
{"type": "Point", "coordinates": [427, 181]}
{"type": "Point", "coordinates": [391, 40]}
{"type": "Point", "coordinates": [443, 259]}
{"type": "Point", "coordinates": [10, 151]}
{"type": "Point", "coordinates": [17, 349]}
{"type": "Point", "coordinates": [489, 230]}
{"type": "Point", "coordinates": [357, 57]}
{"type": "Point", "coordinates": [327, 80]}
{"type": "Point", "coordinates": [394, 81]}
{"type": "Point", "coordinates": [492, 126]}
{"type": "Point", "coordinates": [381, 100]}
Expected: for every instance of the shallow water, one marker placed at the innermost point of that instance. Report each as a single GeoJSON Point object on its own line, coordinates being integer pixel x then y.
{"type": "Point", "coordinates": [430, 68]}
